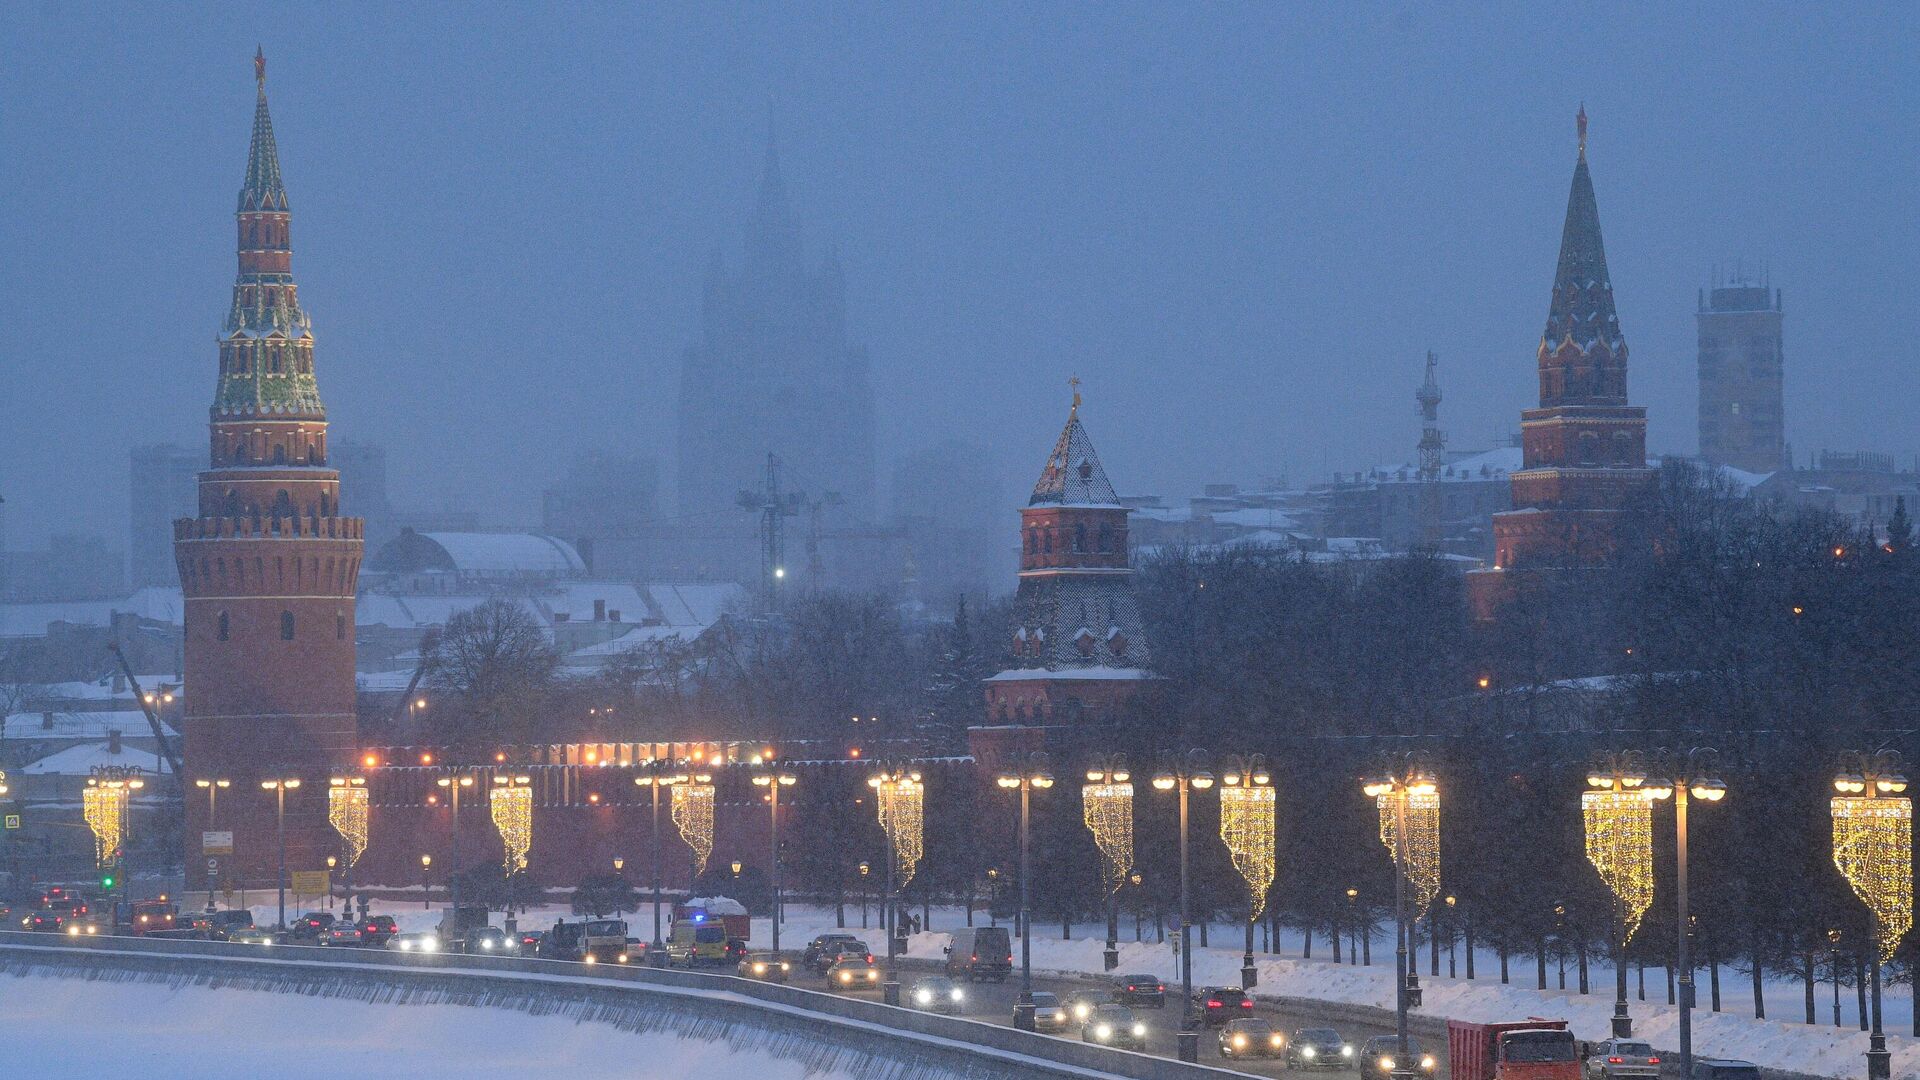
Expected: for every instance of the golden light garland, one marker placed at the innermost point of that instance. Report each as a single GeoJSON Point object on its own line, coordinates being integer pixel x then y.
{"type": "Point", "coordinates": [1619, 828]}
{"type": "Point", "coordinates": [902, 807]}
{"type": "Point", "coordinates": [1108, 810]}
{"type": "Point", "coordinates": [347, 813]}
{"type": "Point", "coordinates": [1423, 843]}
{"type": "Point", "coordinates": [693, 816]}
{"type": "Point", "coordinates": [512, 807]}
{"type": "Point", "coordinates": [1247, 827]}
{"type": "Point", "coordinates": [1873, 849]}
{"type": "Point", "coordinates": [105, 810]}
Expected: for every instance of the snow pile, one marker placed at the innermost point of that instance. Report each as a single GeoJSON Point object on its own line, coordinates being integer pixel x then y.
{"type": "Point", "coordinates": [717, 905]}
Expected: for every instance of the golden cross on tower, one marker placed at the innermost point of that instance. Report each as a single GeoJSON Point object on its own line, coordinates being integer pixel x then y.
{"type": "Point", "coordinates": [1075, 383]}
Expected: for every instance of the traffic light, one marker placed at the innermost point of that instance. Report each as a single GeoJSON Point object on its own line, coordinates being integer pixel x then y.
{"type": "Point", "coordinates": [107, 880]}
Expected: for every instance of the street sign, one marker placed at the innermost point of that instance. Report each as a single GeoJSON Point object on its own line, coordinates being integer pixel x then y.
{"type": "Point", "coordinates": [216, 843]}
{"type": "Point", "coordinates": [310, 882]}
{"type": "Point", "coordinates": [213, 867]}
{"type": "Point", "coordinates": [13, 821]}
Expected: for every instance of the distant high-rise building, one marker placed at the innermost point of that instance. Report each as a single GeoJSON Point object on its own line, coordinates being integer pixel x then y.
{"type": "Point", "coordinates": [947, 504]}
{"type": "Point", "coordinates": [1742, 420]}
{"type": "Point", "coordinates": [363, 471]}
{"type": "Point", "coordinates": [603, 495]}
{"type": "Point", "coordinates": [165, 486]}
{"type": "Point", "coordinates": [773, 373]}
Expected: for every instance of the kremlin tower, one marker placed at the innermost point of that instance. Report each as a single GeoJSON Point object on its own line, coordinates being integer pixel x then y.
{"type": "Point", "coordinates": [1584, 449]}
{"type": "Point", "coordinates": [268, 569]}
{"type": "Point", "coordinates": [1079, 650]}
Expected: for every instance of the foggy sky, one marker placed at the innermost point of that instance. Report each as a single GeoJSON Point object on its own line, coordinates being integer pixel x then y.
{"type": "Point", "coordinates": [1242, 226]}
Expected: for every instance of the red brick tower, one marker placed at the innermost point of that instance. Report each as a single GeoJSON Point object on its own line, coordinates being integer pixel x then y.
{"type": "Point", "coordinates": [1584, 448]}
{"type": "Point", "coordinates": [269, 566]}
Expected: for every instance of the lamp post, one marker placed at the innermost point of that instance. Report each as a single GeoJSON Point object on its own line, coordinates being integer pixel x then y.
{"type": "Point", "coordinates": [773, 781]}
{"type": "Point", "coordinates": [904, 779]}
{"type": "Point", "coordinates": [656, 774]}
{"type": "Point", "coordinates": [1880, 865]}
{"type": "Point", "coordinates": [280, 787]}
{"type": "Point", "coordinates": [213, 787]}
{"type": "Point", "coordinates": [1103, 776]}
{"type": "Point", "coordinates": [1616, 807]}
{"type": "Point", "coordinates": [1353, 927]}
{"type": "Point", "coordinates": [426, 863]}
{"type": "Point", "coordinates": [1402, 778]}
{"type": "Point", "coordinates": [453, 784]}
{"type": "Point", "coordinates": [1023, 774]}
{"type": "Point", "coordinates": [1248, 779]}
{"type": "Point", "coordinates": [1182, 773]}
{"type": "Point", "coordinates": [1684, 777]}
{"type": "Point", "coordinates": [1833, 962]}
{"type": "Point", "coordinates": [331, 863]}
{"type": "Point", "coordinates": [620, 874]}
{"type": "Point", "coordinates": [864, 869]}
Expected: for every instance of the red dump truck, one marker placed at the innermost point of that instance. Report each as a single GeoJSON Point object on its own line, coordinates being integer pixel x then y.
{"type": "Point", "coordinates": [1531, 1049]}
{"type": "Point", "coordinates": [727, 913]}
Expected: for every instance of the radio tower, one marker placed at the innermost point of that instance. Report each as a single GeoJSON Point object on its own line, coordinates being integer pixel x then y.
{"type": "Point", "coordinates": [772, 505]}
{"type": "Point", "coordinates": [1433, 443]}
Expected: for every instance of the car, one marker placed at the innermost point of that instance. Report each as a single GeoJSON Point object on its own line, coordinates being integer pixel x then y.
{"type": "Point", "coordinates": [1081, 1003]}
{"type": "Point", "coordinates": [310, 927]}
{"type": "Point", "coordinates": [47, 921]}
{"type": "Point", "coordinates": [229, 922]}
{"type": "Point", "coordinates": [853, 971]}
{"type": "Point", "coordinates": [1724, 1069]}
{"type": "Point", "coordinates": [424, 941]}
{"type": "Point", "coordinates": [980, 952]}
{"type": "Point", "coordinates": [1318, 1048]}
{"type": "Point", "coordinates": [1246, 1037]}
{"type": "Point", "coordinates": [810, 956]}
{"type": "Point", "coordinates": [833, 951]}
{"type": "Point", "coordinates": [563, 942]}
{"type": "Point", "coordinates": [736, 951]}
{"type": "Point", "coordinates": [1620, 1059]}
{"type": "Point", "coordinates": [1049, 1013]}
{"type": "Point", "coordinates": [937, 993]}
{"type": "Point", "coordinates": [1140, 990]}
{"type": "Point", "coordinates": [376, 929]}
{"type": "Point", "coordinates": [1116, 1026]}
{"type": "Point", "coordinates": [490, 940]}
{"type": "Point", "coordinates": [530, 942]}
{"type": "Point", "coordinates": [254, 935]}
{"type": "Point", "coordinates": [1219, 1004]}
{"type": "Point", "coordinates": [1380, 1054]}
{"type": "Point", "coordinates": [765, 967]}
{"type": "Point", "coordinates": [83, 927]}
{"type": "Point", "coordinates": [342, 934]}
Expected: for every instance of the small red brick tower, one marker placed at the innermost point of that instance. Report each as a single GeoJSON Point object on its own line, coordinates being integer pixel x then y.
{"type": "Point", "coordinates": [1079, 650]}
{"type": "Point", "coordinates": [268, 568]}
{"type": "Point", "coordinates": [1584, 449]}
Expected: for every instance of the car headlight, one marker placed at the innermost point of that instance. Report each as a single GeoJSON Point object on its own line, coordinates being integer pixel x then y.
{"type": "Point", "coordinates": [1307, 1051]}
{"type": "Point", "coordinates": [488, 945]}
{"type": "Point", "coordinates": [1276, 1040]}
{"type": "Point", "coordinates": [406, 946]}
{"type": "Point", "coordinates": [1104, 1031]}
{"type": "Point", "coordinates": [623, 958]}
{"type": "Point", "coordinates": [73, 931]}
{"type": "Point", "coordinates": [1427, 1062]}
{"type": "Point", "coordinates": [1079, 1012]}
{"type": "Point", "coordinates": [923, 997]}
{"type": "Point", "coordinates": [93, 929]}
{"type": "Point", "coordinates": [590, 958]}
{"type": "Point", "coordinates": [1346, 1051]}
{"type": "Point", "coordinates": [958, 995]}
{"type": "Point", "coordinates": [846, 976]}
{"type": "Point", "coordinates": [1239, 1040]}
{"type": "Point", "coordinates": [1139, 1030]}
{"type": "Point", "coordinates": [784, 966]}
{"type": "Point", "coordinates": [759, 969]}
{"type": "Point", "coordinates": [872, 975]}
{"type": "Point", "coordinates": [1386, 1064]}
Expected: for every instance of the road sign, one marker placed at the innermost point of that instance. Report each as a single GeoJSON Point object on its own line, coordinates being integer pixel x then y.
{"type": "Point", "coordinates": [213, 867]}
{"type": "Point", "coordinates": [310, 882]}
{"type": "Point", "coordinates": [216, 843]}
{"type": "Point", "coordinates": [13, 821]}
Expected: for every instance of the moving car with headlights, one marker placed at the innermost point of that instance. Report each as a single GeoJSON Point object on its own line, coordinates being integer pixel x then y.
{"type": "Point", "coordinates": [1140, 990]}
{"type": "Point", "coordinates": [766, 967]}
{"type": "Point", "coordinates": [419, 942]}
{"type": "Point", "coordinates": [1531, 1049]}
{"type": "Point", "coordinates": [980, 952]}
{"type": "Point", "coordinates": [1318, 1048]}
{"type": "Point", "coordinates": [937, 993]}
{"type": "Point", "coordinates": [49, 921]}
{"type": "Point", "coordinates": [1379, 1056]}
{"type": "Point", "coordinates": [1116, 1026]}
{"type": "Point", "coordinates": [810, 956]}
{"type": "Point", "coordinates": [833, 951]}
{"type": "Point", "coordinates": [229, 923]}
{"type": "Point", "coordinates": [1081, 1003]}
{"type": "Point", "coordinates": [853, 971]}
{"type": "Point", "coordinates": [255, 935]}
{"type": "Point", "coordinates": [1049, 1014]}
{"type": "Point", "coordinates": [1621, 1059]}
{"type": "Point", "coordinates": [1246, 1037]}
{"type": "Point", "coordinates": [1219, 1004]}
{"type": "Point", "coordinates": [491, 941]}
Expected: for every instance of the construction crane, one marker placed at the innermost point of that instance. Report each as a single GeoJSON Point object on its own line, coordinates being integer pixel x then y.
{"type": "Point", "coordinates": [153, 720]}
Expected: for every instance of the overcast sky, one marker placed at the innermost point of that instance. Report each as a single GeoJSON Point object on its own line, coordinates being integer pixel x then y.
{"type": "Point", "coordinates": [1241, 225]}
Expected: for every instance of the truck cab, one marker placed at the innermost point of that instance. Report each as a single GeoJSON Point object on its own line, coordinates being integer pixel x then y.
{"type": "Point", "coordinates": [603, 941]}
{"type": "Point", "coordinates": [1533, 1049]}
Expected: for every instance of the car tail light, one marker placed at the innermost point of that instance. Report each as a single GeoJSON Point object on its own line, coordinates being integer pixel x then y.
{"type": "Point", "coordinates": [1162, 988]}
{"type": "Point", "coordinates": [976, 958]}
{"type": "Point", "coordinates": [1616, 1060]}
{"type": "Point", "coordinates": [1653, 1061]}
{"type": "Point", "coordinates": [1213, 1003]}
{"type": "Point", "coordinates": [1009, 958]}
{"type": "Point", "coordinates": [1246, 1004]}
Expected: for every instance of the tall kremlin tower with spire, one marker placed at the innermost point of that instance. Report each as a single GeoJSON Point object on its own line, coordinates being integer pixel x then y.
{"type": "Point", "coordinates": [269, 568]}
{"type": "Point", "coordinates": [1584, 450]}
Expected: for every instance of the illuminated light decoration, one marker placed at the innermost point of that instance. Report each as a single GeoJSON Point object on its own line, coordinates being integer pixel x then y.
{"type": "Point", "coordinates": [512, 806]}
{"type": "Point", "coordinates": [1108, 810]}
{"type": "Point", "coordinates": [104, 808]}
{"type": "Point", "coordinates": [1247, 828]}
{"type": "Point", "coordinates": [1620, 846]}
{"type": "Point", "coordinates": [1423, 843]}
{"type": "Point", "coordinates": [1873, 849]}
{"type": "Point", "coordinates": [902, 808]}
{"type": "Point", "coordinates": [347, 813]}
{"type": "Point", "coordinates": [693, 816]}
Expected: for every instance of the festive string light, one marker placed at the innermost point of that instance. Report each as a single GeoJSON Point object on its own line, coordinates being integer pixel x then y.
{"type": "Point", "coordinates": [512, 806]}
{"type": "Point", "coordinates": [104, 808]}
{"type": "Point", "coordinates": [1620, 846]}
{"type": "Point", "coordinates": [1873, 849]}
{"type": "Point", "coordinates": [693, 816]}
{"type": "Point", "coordinates": [1423, 842]}
{"type": "Point", "coordinates": [1108, 809]}
{"type": "Point", "coordinates": [347, 813]}
{"type": "Point", "coordinates": [1246, 827]}
{"type": "Point", "coordinates": [902, 807]}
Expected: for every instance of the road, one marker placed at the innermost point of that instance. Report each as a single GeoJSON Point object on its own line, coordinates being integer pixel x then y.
{"type": "Point", "coordinates": [993, 1003]}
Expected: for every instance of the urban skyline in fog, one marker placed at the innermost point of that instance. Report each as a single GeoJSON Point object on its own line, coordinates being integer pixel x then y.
{"type": "Point", "coordinates": [1242, 229]}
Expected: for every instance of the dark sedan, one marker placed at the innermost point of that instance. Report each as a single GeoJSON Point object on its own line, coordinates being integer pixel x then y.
{"type": "Point", "coordinates": [1116, 1026]}
{"type": "Point", "coordinates": [1380, 1055]}
{"type": "Point", "coordinates": [1249, 1038]}
{"type": "Point", "coordinates": [1140, 990]}
{"type": "Point", "coordinates": [1219, 1004]}
{"type": "Point", "coordinates": [1318, 1048]}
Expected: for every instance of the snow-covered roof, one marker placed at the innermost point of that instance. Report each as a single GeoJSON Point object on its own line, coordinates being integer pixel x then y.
{"type": "Point", "coordinates": [1484, 465]}
{"type": "Point", "coordinates": [628, 640]}
{"type": "Point", "coordinates": [698, 604]}
{"type": "Point", "coordinates": [81, 760]}
{"type": "Point", "coordinates": [1258, 518]}
{"type": "Point", "coordinates": [508, 553]}
{"type": "Point", "coordinates": [575, 600]}
{"type": "Point", "coordinates": [158, 603]}
{"type": "Point", "coordinates": [379, 609]}
{"type": "Point", "coordinates": [54, 724]}
{"type": "Point", "coordinates": [1073, 475]}
{"type": "Point", "coordinates": [1096, 673]}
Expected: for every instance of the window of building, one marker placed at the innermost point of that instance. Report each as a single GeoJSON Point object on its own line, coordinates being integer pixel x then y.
{"type": "Point", "coordinates": [286, 626]}
{"type": "Point", "coordinates": [339, 627]}
{"type": "Point", "coordinates": [223, 627]}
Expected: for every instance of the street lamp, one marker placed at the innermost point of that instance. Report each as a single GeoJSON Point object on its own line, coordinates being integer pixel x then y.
{"type": "Point", "coordinates": [656, 774]}
{"type": "Point", "coordinates": [773, 781]}
{"type": "Point", "coordinates": [864, 869]}
{"type": "Point", "coordinates": [1873, 849]}
{"type": "Point", "coordinates": [453, 784]}
{"type": "Point", "coordinates": [1023, 774]}
{"type": "Point", "coordinates": [1183, 772]}
{"type": "Point", "coordinates": [1107, 797]}
{"type": "Point", "coordinates": [1403, 779]}
{"type": "Point", "coordinates": [280, 787]}
{"type": "Point", "coordinates": [1618, 814]}
{"type": "Point", "coordinates": [1246, 827]}
{"type": "Point", "coordinates": [1353, 927]}
{"type": "Point", "coordinates": [426, 863]}
{"type": "Point", "coordinates": [899, 800]}
{"type": "Point", "coordinates": [1679, 777]}
{"type": "Point", "coordinates": [213, 787]}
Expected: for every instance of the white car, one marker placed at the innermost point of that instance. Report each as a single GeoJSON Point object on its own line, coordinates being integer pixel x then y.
{"type": "Point", "coordinates": [416, 942]}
